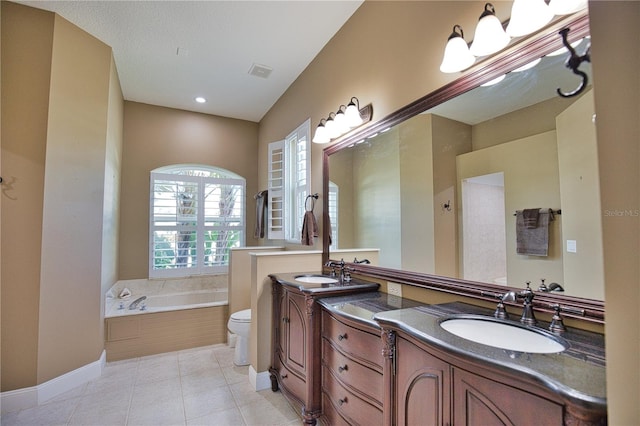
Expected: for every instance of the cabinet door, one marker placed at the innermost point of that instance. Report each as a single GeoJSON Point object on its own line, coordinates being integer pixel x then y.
{"type": "Point", "coordinates": [296, 332]}
{"type": "Point", "coordinates": [480, 401]}
{"type": "Point", "coordinates": [422, 387]}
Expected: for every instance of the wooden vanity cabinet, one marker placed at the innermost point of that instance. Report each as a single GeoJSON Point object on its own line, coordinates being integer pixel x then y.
{"type": "Point", "coordinates": [352, 384]}
{"type": "Point", "coordinates": [430, 387]}
{"type": "Point", "coordinates": [296, 365]}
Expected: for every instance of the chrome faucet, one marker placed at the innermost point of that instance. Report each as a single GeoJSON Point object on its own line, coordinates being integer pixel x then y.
{"type": "Point", "coordinates": [511, 296]}
{"type": "Point", "coordinates": [345, 271]}
{"type": "Point", "coordinates": [365, 261]}
{"type": "Point", "coordinates": [135, 303]}
{"type": "Point", "coordinates": [552, 287]}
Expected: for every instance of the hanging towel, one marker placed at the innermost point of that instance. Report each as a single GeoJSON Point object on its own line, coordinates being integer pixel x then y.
{"type": "Point", "coordinates": [533, 241]}
{"type": "Point", "coordinates": [261, 208]}
{"type": "Point", "coordinates": [309, 228]}
{"type": "Point", "coordinates": [530, 217]}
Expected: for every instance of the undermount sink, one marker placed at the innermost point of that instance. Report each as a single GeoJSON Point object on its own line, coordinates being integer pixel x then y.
{"type": "Point", "coordinates": [316, 279]}
{"type": "Point", "coordinates": [502, 334]}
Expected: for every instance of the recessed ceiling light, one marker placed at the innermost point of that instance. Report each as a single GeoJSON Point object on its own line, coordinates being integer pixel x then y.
{"type": "Point", "coordinates": [200, 100]}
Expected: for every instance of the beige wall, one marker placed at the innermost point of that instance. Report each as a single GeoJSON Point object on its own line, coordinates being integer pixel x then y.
{"type": "Point", "coordinates": [580, 199]}
{"type": "Point", "coordinates": [616, 59]}
{"type": "Point", "coordinates": [387, 55]}
{"type": "Point", "coordinates": [530, 167]}
{"type": "Point", "coordinates": [27, 37]}
{"type": "Point", "coordinates": [58, 143]}
{"type": "Point", "coordinates": [157, 136]}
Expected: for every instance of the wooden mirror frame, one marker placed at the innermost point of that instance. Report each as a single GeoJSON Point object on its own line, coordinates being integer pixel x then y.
{"type": "Point", "coordinates": [519, 53]}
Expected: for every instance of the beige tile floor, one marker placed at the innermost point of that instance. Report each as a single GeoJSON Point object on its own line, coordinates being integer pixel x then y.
{"type": "Point", "coordinates": [193, 387]}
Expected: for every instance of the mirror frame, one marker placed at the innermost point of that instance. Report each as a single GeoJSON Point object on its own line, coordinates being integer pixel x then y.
{"type": "Point", "coordinates": [517, 54]}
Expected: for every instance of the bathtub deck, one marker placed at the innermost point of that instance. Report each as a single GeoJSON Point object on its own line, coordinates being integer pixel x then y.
{"type": "Point", "coordinates": [159, 332]}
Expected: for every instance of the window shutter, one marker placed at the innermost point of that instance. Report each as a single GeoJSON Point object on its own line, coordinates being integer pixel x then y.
{"type": "Point", "coordinates": [276, 181]}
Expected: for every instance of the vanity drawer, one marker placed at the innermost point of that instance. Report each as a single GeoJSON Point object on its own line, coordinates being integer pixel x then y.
{"type": "Point", "coordinates": [359, 344]}
{"type": "Point", "coordinates": [354, 409]}
{"type": "Point", "coordinates": [353, 374]}
{"type": "Point", "coordinates": [291, 382]}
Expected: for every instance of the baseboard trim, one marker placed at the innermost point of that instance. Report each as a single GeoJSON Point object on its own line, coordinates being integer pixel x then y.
{"type": "Point", "coordinates": [259, 381]}
{"type": "Point", "coordinates": [20, 399]}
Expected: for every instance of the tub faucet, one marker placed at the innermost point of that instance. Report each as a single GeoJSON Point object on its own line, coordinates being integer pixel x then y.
{"type": "Point", "coordinates": [135, 303]}
{"type": "Point", "coordinates": [365, 261]}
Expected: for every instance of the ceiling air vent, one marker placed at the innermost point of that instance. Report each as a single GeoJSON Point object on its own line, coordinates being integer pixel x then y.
{"type": "Point", "coordinates": [258, 70]}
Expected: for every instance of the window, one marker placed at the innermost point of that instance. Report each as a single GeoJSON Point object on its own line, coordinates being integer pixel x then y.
{"type": "Point", "coordinates": [333, 214]}
{"type": "Point", "coordinates": [289, 183]}
{"type": "Point", "coordinates": [197, 215]}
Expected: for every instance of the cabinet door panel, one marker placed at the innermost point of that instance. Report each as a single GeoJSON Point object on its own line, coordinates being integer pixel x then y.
{"type": "Point", "coordinates": [297, 333]}
{"type": "Point", "coordinates": [422, 387]}
{"type": "Point", "coordinates": [478, 400]}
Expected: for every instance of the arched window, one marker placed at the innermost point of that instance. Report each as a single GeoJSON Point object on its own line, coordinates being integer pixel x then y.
{"type": "Point", "coordinates": [197, 214]}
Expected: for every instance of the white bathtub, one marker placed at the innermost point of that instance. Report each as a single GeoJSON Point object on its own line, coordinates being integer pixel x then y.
{"type": "Point", "coordinates": [163, 296]}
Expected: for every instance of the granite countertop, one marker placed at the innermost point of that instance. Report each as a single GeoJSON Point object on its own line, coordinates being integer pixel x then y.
{"type": "Point", "coordinates": [363, 306]}
{"type": "Point", "coordinates": [315, 288]}
{"type": "Point", "coordinates": [577, 374]}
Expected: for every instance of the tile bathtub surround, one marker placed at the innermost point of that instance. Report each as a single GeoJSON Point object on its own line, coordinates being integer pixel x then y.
{"type": "Point", "coordinates": [193, 387]}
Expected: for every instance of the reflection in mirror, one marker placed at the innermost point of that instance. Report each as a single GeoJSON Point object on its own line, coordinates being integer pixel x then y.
{"type": "Point", "coordinates": [438, 193]}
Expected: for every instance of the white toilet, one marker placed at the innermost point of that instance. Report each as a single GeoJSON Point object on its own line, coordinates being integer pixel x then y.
{"type": "Point", "coordinates": [240, 324]}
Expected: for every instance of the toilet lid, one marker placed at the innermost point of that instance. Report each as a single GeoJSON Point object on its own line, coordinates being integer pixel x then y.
{"type": "Point", "coordinates": [242, 316]}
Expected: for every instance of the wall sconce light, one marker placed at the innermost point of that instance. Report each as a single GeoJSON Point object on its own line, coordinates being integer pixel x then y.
{"type": "Point", "coordinates": [457, 56]}
{"type": "Point", "coordinates": [490, 36]}
{"type": "Point", "coordinates": [565, 7]}
{"type": "Point", "coordinates": [528, 16]}
{"type": "Point", "coordinates": [346, 119]}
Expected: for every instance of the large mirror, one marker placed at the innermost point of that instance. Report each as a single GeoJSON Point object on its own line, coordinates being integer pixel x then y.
{"type": "Point", "coordinates": [444, 187]}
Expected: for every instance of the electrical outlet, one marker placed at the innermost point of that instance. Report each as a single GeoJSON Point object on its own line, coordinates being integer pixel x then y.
{"type": "Point", "coordinates": [395, 289]}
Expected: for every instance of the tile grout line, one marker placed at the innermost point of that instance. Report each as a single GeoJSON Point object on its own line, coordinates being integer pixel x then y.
{"type": "Point", "coordinates": [133, 388]}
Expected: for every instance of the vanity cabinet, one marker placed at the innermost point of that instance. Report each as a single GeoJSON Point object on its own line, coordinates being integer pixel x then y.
{"type": "Point", "coordinates": [421, 391]}
{"type": "Point", "coordinates": [352, 384]}
{"type": "Point", "coordinates": [296, 366]}
{"type": "Point", "coordinates": [430, 390]}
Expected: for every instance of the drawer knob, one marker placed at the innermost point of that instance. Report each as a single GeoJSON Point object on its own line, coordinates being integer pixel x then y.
{"type": "Point", "coordinates": [342, 401]}
{"type": "Point", "coordinates": [341, 368]}
{"type": "Point", "coordinates": [283, 376]}
{"type": "Point", "coordinates": [342, 336]}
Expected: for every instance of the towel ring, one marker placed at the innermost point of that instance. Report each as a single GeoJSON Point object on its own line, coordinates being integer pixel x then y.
{"type": "Point", "coordinates": [313, 197]}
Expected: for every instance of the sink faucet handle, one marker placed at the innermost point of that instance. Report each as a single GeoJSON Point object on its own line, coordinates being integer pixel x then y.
{"type": "Point", "coordinates": [542, 286]}
{"type": "Point", "coordinates": [557, 326]}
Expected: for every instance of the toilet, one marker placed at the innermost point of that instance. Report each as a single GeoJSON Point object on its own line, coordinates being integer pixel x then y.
{"type": "Point", "coordinates": [240, 324]}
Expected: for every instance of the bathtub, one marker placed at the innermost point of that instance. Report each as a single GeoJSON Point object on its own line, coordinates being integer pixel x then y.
{"type": "Point", "coordinates": [176, 315]}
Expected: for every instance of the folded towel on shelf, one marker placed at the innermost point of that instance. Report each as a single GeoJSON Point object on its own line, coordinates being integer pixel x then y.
{"type": "Point", "coordinates": [261, 208]}
{"type": "Point", "coordinates": [309, 228]}
{"type": "Point", "coordinates": [530, 217]}
{"type": "Point", "coordinates": [533, 241]}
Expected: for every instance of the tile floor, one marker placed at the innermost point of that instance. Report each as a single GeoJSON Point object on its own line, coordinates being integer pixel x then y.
{"type": "Point", "coordinates": [198, 386]}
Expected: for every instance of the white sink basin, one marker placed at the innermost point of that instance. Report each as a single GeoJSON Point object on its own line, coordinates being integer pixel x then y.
{"type": "Point", "coordinates": [316, 279]}
{"type": "Point", "coordinates": [498, 334]}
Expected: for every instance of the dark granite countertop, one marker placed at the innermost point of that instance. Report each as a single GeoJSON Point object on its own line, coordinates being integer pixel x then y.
{"type": "Point", "coordinates": [292, 280]}
{"type": "Point", "coordinates": [363, 306]}
{"type": "Point", "coordinates": [578, 373]}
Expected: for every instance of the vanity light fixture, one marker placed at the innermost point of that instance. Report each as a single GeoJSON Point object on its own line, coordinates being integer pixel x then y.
{"type": "Point", "coordinates": [528, 65]}
{"type": "Point", "coordinates": [565, 7]}
{"type": "Point", "coordinates": [490, 36]}
{"type": "Point", "coordinates": [528, 16]}
{"type": "Point", "coordinates": [494, 81]}
{"type": "Point", "coordinates": [457, 56]}
{"type": "Point", "coordinates": [200, 99]}
{"type": "Point", "coordinates": [346, 119]}
{"type": "Point", "coordinates": [353, 113]}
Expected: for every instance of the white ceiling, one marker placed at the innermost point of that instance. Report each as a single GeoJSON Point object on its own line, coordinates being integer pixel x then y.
{"type": "Point", "coordinates": [169, 52]}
